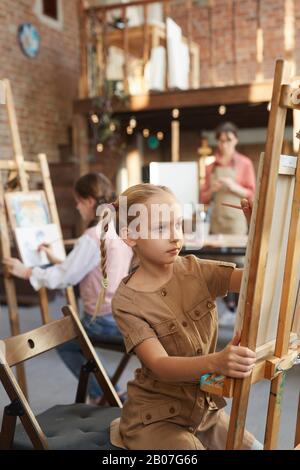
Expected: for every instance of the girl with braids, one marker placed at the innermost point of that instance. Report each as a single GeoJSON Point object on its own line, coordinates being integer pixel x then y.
{"type": "Point", "coordinates": [166, 311]}
{"type": "Point", "coordinates": [82, 266]}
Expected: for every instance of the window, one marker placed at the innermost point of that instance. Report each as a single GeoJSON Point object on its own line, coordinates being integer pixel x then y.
{"type": "Point", "coordinates": [50, 9]}
{"type": "Point", "coordinates": [50, 12]}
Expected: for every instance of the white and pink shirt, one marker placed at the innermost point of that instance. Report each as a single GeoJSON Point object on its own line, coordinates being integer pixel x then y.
{"type": "Point", "coordinates": [82, 266]}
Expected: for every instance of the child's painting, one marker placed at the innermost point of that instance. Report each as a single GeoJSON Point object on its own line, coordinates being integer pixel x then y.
{"type": "Point", "coordinates": [31, 222]}
{"type": "Point", "coordinates": [27, 209]}
{"type": "Point", "coordinates": [30, 238]}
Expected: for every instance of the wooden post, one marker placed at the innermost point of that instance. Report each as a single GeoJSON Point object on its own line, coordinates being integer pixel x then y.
{"type": "Point", "coordinates": [16, 141]}
{"type": "Point", "coordinates": [166, 13]}
{"type": "Point", "coordinates": [259, 44]}
{"type": "Point", "coordinates": [146, 45]}
{"type": "Point", "coordinates": [104, 51]}
{"type": "Point", "coordinates": [233, 32]}
{"type": "Point", "coordinates": [83, 81]}
{"type": "Point", "coordinates": [125, 49]}
{"type": "Point", "coordinates": [175, 141]}
{"type": "Point", "coordinates": [189, 41]}
{"type": "Point", "coordinates": [211, 43]}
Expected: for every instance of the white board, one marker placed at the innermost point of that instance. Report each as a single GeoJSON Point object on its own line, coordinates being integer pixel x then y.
{"type": "Point", "coordinates": [182, 178]}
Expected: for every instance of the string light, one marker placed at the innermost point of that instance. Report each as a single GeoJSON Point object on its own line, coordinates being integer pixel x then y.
{"type": "Point", "coordinates": [175, 113]}
{"type": "Point", "coordinates": [112, 127]}
{"type": "Point", "coordinates": [95, 118]}
{"type": "Point", "coordinates": [269, 106]}
{"type": "Point", "coordinates": [100, 148]}
{"type": "Point", "coordinates": [129, 130]}
{"type": "Point", "coordinates": [132, 123]}
{"type": "Point", "coordinates": [160, 135]}
{"type": "Point", "coordinates": [222, 110]}
{"type": "Point", "coordinates": [146, 133]}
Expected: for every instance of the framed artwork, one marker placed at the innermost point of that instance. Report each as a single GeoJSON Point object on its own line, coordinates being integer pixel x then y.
{"type": "Point", "coordinates": [30, 220]}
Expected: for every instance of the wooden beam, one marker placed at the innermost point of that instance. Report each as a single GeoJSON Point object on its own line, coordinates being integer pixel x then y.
{"type": "Point", "coordinates": [235, 94]}
{"type": "Point", "coordinates": [10, 165]}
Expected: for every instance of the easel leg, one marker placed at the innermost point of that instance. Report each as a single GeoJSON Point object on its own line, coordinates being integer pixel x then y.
{"type": "Point", "coordinates": [15, 326]}
{"type": "Point", "coordinates": [297, 434]}
{"type": "Point", "coordinates": [71, 298]}
{"type": "Point", "coordinates": [43, 300]}
{"type": "Point", "coordinates": [274, 411]}
{"type": "Point", "coordinates": [238, 414]}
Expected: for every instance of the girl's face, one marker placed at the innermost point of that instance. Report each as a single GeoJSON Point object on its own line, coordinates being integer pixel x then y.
{"type": "Point", "coordinates": [162, 236]}
{"type": "Point", "coordinates": [85, 207]}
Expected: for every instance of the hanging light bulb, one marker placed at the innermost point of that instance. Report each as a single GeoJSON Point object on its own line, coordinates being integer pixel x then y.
{"type": "Point", "coordinates": [160, 135]}
{"type": "Point", "coordinates": [112, 127]}
{"type": "Point", "coordinates": [269, 106]}
{"type": "Point", "coordinates": [100, 148]}
{"type": "Point", "coordinates": [129, 130]}
{"type": "Point", "coordinates": [146, 133]}
{"type": "Point", "coordinates": [175, 113]}
{"type": "Point", "coordinates": [222, 110]}
{"type": "Point", "coordinates": [95, 118]}
{"type": "Point", "coordinates": [132, 123]}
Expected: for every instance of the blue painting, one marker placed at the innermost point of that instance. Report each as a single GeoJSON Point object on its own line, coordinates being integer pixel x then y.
{"type": "Point", "coordinates": [29, 39]}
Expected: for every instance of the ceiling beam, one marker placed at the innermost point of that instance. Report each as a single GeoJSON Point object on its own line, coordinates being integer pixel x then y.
{"type": "Point", "coordinates": [254, 93]}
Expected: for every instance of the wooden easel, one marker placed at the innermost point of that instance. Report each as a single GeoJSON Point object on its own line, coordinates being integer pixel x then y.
{"type": "Point", "coordinates": [23, 170]}
{"type": "Point", "coordinates": [277, 356]}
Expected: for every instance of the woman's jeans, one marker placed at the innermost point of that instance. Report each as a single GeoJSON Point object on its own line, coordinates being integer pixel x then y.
{"type": "Point", "coordinates": [102, 329]}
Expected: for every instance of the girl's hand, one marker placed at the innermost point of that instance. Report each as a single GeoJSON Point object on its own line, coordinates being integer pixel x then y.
{"type": "Point", "coordinates": [247, 209]}
{"type": "Point", "coordinates": [48, 251]}
{"type": "Point", "coordinates": [17, 268]}
{"type": "Point", "coordinates": [234, 360]}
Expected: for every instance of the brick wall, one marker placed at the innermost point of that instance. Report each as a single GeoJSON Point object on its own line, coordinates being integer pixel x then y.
{"type": "Point", "coordinates": [227, 35]}
{"type": "Point", "coordinates": [45, 87]}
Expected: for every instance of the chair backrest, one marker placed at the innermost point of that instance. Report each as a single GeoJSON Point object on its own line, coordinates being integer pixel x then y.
{"type": "Point", "coordinates": [25, 346]}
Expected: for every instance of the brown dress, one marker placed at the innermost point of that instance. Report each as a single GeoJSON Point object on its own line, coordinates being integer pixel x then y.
{"type": "Point", "coordinates": [182, 316]}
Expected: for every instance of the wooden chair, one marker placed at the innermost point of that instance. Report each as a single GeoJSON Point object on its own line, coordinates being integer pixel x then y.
{"type": "Point", "coordinates": [121, 365]}
{"type": "Point", "coordinates": [74, 426]}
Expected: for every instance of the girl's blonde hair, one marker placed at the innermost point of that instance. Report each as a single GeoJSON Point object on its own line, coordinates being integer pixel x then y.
{"type": "Point", "coordinates": [138, 194]}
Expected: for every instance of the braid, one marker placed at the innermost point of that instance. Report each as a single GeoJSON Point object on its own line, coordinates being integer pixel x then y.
{"type": "Point", "coordinates": [104, 224]}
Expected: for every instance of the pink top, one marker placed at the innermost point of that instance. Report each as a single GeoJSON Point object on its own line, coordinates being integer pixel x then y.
{"type": "Point", "coordinates": [82, 266]}
{"type": "Point", "coordinates": [245, 175]}
{"type": "Point", "coordinates": [118, 261]}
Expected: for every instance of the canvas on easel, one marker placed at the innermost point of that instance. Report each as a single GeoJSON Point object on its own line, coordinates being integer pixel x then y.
{"type": "Point", "coordinates": [31, 223]}
{"type": "Point", "coordinates": [267, 306]}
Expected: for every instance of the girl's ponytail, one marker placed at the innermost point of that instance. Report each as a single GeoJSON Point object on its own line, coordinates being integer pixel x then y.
{"type": "Point", "coordinates": [104, 221]}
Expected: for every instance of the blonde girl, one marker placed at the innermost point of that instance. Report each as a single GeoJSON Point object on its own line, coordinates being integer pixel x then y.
{"type": "Point", "coordinates": [166, 311]}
